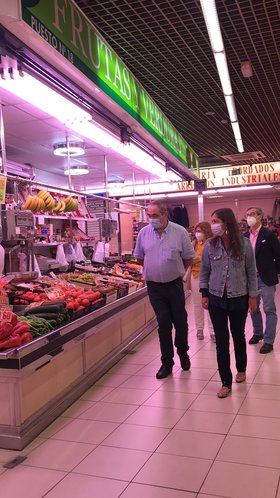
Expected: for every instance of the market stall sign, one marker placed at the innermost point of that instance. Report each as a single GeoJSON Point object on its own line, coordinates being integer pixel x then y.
{"type": "Point", "coordinates": [248, 174]}
{"type": "Point", "coordinates": [64, 26]}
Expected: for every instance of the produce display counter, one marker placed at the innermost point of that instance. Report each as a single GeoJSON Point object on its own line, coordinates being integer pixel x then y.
{"type": "Point", "coordinates": [39, 380]}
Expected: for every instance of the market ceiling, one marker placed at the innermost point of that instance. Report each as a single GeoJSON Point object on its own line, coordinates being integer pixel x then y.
{"type": "Point", "coordinates": [166, 45]}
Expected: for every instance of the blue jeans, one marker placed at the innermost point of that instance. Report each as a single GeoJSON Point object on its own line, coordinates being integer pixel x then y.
{"type": "Point", "coordinates": [267, 294]}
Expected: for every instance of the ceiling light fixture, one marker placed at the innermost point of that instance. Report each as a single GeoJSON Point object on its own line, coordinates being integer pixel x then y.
{"type": "Point", "coordinates": [245, 188]}
{"type": "Point", "coordinates": [161, 196]}
{"type": "Point", "coordinates": [231, 107]}
{"type": "Point", "coordinates": [210, 191]}
{"type": "Point", "coordinates": [236, 131]}
{"type": "Point", "coordinates": [210, 15]}
{"type": "Point", "coordinates": [31, 90]}
{"type": "Point", "coordinates": [73, 149]}
{"type": "Point", "coordinates": [77, 170]}
{"type": "Point", "coordinates": [221, 63]}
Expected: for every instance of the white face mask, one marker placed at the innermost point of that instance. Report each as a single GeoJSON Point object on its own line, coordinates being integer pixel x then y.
{"type": "Point", "coordinates": [199, 236]}
{"type": "Point", "coordinates": [217, 229]}
{"type": "Point", "coordinates": [251, 221]}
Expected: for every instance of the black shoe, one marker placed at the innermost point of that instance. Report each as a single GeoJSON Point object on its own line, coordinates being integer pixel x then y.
{"type": "Point", "coordinates": [163, 372]}
{"type": "Point", "coordinates": [266, 348]}
{"type": "Point", "coordinates": [185, 362]}
{"type": "Point", "coordinates": [255, 339]}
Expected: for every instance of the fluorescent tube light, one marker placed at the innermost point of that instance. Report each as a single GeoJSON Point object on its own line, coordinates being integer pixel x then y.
{"type": "Point", "coordinates": [44, 98]}
{"type": "Point", "coordinates": [210, 15]}
{"type": "Point", "coordinates": [236, 131]}
{"type": "Point", "coordinates": [207, 192]}
{"type": "Point", "coordinates": [240, 147]}
{"type": "Point", "coordinates": [221, 62]}
{"type": "Point", "coordinates": [213, 26]}
{"type": "Point", "coordinates": [160, 196]}
{"type": "Point", "coordinates": [172, 176]}
{"type": "Point", "coordinates": [182, 194]}
{"type": "Point", "coordinates": [231, 107]}
{"type": "Point", "coordinates": [246, 188]}
{"type": "Point", "coordinates": [77, 170]}
{"type": "Point", "coordinates": [39, 95]}
{"type": "Point", "coordinates": [159, 160]}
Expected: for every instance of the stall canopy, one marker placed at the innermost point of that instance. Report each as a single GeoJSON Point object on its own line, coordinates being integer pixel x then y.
{"type": "Point", "coordinates": [61, 34]}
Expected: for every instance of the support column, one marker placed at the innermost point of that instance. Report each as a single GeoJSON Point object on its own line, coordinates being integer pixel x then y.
{"type": "Point", "coordinates": [200, 202]}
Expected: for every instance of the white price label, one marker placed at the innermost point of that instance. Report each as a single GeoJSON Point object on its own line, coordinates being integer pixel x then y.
{"type": "Point", "coordinates": [6, 313]}
{"type": "Point", "coordinates": [54, 294]}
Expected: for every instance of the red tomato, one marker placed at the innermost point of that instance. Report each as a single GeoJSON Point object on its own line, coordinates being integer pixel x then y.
{"type": "Point", "coordinates": [86, 303]}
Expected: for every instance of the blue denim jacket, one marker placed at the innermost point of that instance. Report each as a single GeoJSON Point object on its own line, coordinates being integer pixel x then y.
{"type": "Point", "coordinates": [219, 269]}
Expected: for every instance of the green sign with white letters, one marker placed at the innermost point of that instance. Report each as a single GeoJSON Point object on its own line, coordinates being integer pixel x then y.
{"type": "Point", "coordinates": [64, 26]}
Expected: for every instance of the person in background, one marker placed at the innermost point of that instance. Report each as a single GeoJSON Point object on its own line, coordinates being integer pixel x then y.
{"type": "Point", "coordinates": [166, 251]}
{"type": "Point", "coordinates": [267, 251]}
{"type": "Point", "coordinates": [228, 283]}
{"type": "Point", "coordinates": [202, 233]}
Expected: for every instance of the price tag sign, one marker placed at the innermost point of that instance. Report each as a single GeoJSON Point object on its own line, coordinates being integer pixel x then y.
{"type": "Point", "coordinates": [54, 294]}
{"type": "Point", "coordinates": [6, 313]}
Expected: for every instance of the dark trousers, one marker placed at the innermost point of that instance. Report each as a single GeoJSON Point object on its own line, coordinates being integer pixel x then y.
{"type": "Point", "coordinates": [237, 320]}
{"type": "Point", "coordinates": [168, 302]}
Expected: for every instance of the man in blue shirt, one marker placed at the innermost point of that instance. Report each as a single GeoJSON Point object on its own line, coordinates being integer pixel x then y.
{"type": "Point", "coordinates": [166, 251]}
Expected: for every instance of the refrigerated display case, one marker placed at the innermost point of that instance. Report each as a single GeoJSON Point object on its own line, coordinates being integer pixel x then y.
{"type": "Point", "coordinates": [39, 380]}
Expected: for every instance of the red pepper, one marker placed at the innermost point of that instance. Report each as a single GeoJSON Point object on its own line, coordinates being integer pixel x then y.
{"type": "Point", "coordinates": [6, 330]}
{"type": "Point", "coordinates": [21, 328]}
{"type": "Point", "coordinates": [14, 319]}
{"type": "Point", "coordinates": [26, 337]}
{"type": "Point", "coordinates": [12, 342]}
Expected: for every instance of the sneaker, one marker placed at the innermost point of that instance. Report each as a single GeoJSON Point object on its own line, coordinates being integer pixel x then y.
{"type": "Point", "coordinates": [224, 392]}
{"type": "Point", "coordinates": [266, 348]}
{"type": "Point", "coordinates": [200, 335]}
{"type": "Point", "coordinates": [255, 339]}
{"type": "Point", "coordinates": [212, 337]}
{"type": "Point", "coordinates": [240, 377]}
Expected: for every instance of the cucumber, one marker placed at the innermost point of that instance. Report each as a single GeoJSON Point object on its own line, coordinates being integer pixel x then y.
{"type": "Point", "coordinates": [47, 316]}
{"type": "Point", "coordinates": [54, 308]}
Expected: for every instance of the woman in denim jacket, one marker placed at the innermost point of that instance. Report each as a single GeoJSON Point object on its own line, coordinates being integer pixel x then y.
{"type": "Point", "coordinates": [228, 283]}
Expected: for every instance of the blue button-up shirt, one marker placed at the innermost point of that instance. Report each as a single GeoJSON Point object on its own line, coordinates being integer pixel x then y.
{"type": "Point", "coordinates": [163, 254]}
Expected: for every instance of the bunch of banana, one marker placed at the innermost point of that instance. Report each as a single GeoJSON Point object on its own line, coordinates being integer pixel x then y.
{"type": "Point", "coordinates": [71, 204]}
{"type": "Point", "coordinates": [48, 199]}
{"type": "Point", "coordinates": [60, 207]}
{"type": "Point", "coordinates": [34, 204]}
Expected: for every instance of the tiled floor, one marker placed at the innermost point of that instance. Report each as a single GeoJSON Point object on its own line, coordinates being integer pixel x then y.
{"type": "Point", "coordinates": [131, 435]}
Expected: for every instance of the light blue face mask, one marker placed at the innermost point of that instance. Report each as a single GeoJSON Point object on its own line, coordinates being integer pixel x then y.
{"type": "Point", "coordinates": [156, 224]}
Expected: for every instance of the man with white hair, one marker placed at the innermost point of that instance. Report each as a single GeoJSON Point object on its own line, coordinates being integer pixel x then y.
{"type": "Point", "coordinates": [166, 251]}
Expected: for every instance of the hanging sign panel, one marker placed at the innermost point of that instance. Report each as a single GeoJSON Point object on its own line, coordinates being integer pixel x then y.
{"type": "Point", "coordinates": [230, 176]}
{"type": "Point", "coordinates": [64, 26]}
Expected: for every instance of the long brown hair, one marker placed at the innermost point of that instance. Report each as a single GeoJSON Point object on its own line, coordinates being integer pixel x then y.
{"type": "Point", "coordinates": [226, 215]}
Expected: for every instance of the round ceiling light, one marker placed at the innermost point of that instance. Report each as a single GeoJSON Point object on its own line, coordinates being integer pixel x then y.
{"type": "Point", "coordinates": [75, 149]}
{"type": "Point", "coordinates": [77, 170]}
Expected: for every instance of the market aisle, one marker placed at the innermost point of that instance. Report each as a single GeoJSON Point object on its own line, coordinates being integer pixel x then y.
{"type": "Point", "coordinates": [132, 435]}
